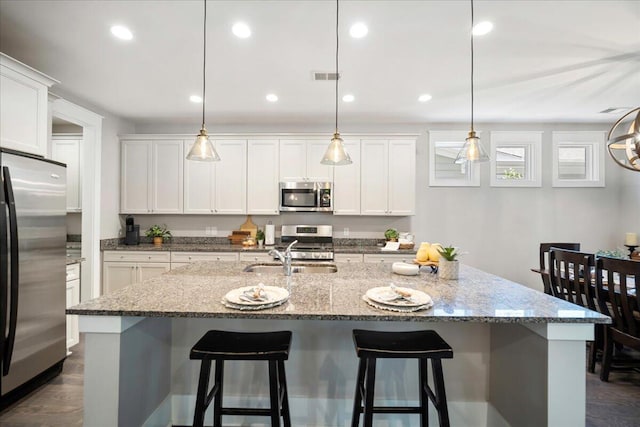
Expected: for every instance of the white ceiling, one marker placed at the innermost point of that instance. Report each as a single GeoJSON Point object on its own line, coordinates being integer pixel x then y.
{"type": "Point", "coordinates": [545, 61]}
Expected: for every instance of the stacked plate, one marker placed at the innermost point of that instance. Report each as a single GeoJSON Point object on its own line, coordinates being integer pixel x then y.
{"type": "Point", "coordinates": [397, 299]}
{"type": "Point", "coordinates": [257, 297]}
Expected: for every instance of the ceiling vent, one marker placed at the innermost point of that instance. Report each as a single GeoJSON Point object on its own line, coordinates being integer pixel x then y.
{"type": "Point", "coordinates": [323, 76]}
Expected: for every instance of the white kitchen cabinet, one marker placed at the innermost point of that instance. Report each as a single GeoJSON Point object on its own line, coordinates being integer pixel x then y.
{"type": "Point", "coordinates": [23, 107]}
{"type": "Point", "coordinates": [349, 258]}
{"type": "Point", "coordinates": [217, 187]}
{"type": "Point", "coordinates": [73, 298]}
{"type": "Point", "coordinates": [256, 257]}
{"type": "Point", "coordinates": [263, 160]}
{"type": "Point", "coordinates": [152, 176]}
{"type": "Point", "coordinates": [346, 182]}
{"type": "Point", "coordinates": [388, 258]}
{"type": "Point", "coordinates": [67, 148]}
{"type": "Point", "coordinates": [300, 160]}
{"type": "Point", "coordinates": [124, 268]}
{"type": "Point", "coordinates": [388, 169]}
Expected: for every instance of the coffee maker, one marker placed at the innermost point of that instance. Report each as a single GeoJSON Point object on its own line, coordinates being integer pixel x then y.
{"type": "Point", "coordinates": [132, 232]}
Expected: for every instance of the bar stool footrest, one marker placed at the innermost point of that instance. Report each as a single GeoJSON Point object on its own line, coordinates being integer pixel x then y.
{"type": "Point", "coordinates": [245, 411]}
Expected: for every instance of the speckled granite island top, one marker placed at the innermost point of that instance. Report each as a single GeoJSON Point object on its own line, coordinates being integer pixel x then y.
{"type": "Point", "coordinates": [196, 290]}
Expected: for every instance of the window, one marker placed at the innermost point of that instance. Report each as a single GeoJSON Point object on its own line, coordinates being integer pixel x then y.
{"type": "Point", "coordinates": [443, 172]}
{"type": "Point", "coordinates": [578, 159]}
{"type": "Point", "coordinates": [515, 159]}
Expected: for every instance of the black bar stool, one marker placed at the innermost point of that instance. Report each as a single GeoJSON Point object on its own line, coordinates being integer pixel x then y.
{"type": "Point", "coordinates": [421, 345]}
{"type": "Point", "coordinates": [221, 346]}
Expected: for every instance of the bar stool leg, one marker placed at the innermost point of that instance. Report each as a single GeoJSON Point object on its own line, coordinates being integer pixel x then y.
{"type": "Point", "coordinates": [284, 395]}
{"type": "Point", "coordinates": [368, 392]}
{"type": "Point", "coordinates": [203, 387]}
{"type": "Point", "coordinates": [274, 394]}
{"type": "Point", "coordinates": [357, 400]}
{"type": "Point", "coordinates": [217, 398]}
{"type": "Point", "coordinates": [438, 382]}
{"type": "Point", "coordinates": [424, 397]}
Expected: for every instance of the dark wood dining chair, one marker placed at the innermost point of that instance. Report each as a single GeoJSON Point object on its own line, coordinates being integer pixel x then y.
{"type": "Point", "coordinates": [571, 278]}
{"type": "Point", "coordinates": [617, 281]}
{"type": "Point", "coordinates": [544, 255]}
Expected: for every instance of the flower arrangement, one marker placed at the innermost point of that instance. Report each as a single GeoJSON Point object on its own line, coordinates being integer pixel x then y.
{"type": "Point", "coordinates": [158, 233]}
{"type": "Point", "coordinates": [449, 253]}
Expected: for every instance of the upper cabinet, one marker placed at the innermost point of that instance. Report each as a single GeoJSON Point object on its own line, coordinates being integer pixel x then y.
{"type": "Point", "coordinates": [346, 182]}
{"type": "Point", "coordinates": [217, 187]}
{"type": "Point", "coordinates": [67, 148]}
{"type": "Point", "coordinates": [262, 176]}
{"type": "Point", "coordinates": [388, 177]}
{"type": "Point", "coordinates": [152, 176]}
{"type": "Point", "coordinates": [300, 160]}
{"type": "Point", "coordinates": [23, 107]}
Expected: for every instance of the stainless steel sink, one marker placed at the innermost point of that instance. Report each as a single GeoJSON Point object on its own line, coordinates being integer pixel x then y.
{"type": "Point", "coordinates": [295, 268]}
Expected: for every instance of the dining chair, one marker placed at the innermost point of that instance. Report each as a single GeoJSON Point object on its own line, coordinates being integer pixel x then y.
{"type": "Point", "coordinates": [571, 278]}
{"type": "Point", "coordinates": [617, 281]}
{"type": "Point", "coordinates": [544, 255]}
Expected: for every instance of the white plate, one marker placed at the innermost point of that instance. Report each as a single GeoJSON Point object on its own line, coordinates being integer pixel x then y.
{"type": "Point", "coordinates": [271, 294]}
{"type": "Point", "coordinates": [251, 307]}
{"type": "Point", "coordinates": [400, 309]}
{"type": "Point", "coordinates": [385, 295]}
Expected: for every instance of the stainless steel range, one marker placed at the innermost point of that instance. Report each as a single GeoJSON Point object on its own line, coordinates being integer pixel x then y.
{"type": "Point", "coordinates": [315, 242]}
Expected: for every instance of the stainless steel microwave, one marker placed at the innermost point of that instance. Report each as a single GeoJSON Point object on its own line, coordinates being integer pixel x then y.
{"type": "Point", "coordinates": [306, 197]}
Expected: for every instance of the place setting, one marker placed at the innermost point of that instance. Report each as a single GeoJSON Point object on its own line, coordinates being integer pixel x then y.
{"type": "Point", "coordinates": [397, 298]}
{"type": "Point", "coordinates": [258, 297]}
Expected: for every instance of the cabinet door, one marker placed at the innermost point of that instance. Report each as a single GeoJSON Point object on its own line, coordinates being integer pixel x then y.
{"type": "Point", "coordinates": [316, 171]}
{"type": "Point", "coordinates": [198, 184]}
{"type": "Point", "coordinates": [147, 270]}
{"type": "Point", "coordinates": [67, 150]}
{"type": "Point", "coordinates": [293, 155]}
{"type": "Point", "coordinates": [167, 176]}
{"type": "Point", "coordinates": [73, 298]}
{"type": "Point", "coordinates": [116, 275]}
{"type": "Point", "coordinates": [402, 177]}
{"type": "Point", "coordinates": [262, 177]}
{"type": "Point", "coordinates": [374, 177]}
{"type": "Point", "coordinates": [346, 183]}
{"type": "Point", "coordinates": [135, 193]}
{"type": "Point", "coordinates": [231, 177]}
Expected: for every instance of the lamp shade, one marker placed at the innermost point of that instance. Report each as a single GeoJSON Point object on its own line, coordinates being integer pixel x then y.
{"type": "Point", "coordinates": [472, 150]}
{"type": "Point", "coordinates": [202, 150]}
{"type": "Point", "coordinates": [336, 154]}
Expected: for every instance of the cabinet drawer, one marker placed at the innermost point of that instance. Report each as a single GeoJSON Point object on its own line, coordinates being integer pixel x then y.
{"type": "Point", "coordinates": [256, 257]}
{"type": "Point", "coordinates": [73, 272]}
{"type": "Point", "coordinates": [137, 256]}
{"type": "Point", "coordinates": [388, 258]}
{"type": "Point", "coordinates": [348, 257]}
{"type": "Point", "coordinates": [203, 256]}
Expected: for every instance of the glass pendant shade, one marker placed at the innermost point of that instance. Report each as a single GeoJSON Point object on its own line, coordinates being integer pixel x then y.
{"type": "Point", "coordinates": [336, 154]}
{"type": "Point", "coordinates": [202, 150]}
{"type": "Point", "coordinates": [623, 141]}
{"type": "Point", "coordinates": [472, 150]}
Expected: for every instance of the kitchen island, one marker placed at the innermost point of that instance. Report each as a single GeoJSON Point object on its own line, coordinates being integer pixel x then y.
{"type": "Point", "coordinates": [519, 355]}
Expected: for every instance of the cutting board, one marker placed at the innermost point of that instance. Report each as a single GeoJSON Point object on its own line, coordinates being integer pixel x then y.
{"type": "Point", "coordinates": [249, 226]}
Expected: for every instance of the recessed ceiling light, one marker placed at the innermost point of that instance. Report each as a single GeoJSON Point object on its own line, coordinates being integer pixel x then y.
{"type": "Point", "coordinates": [348, 98]}
{"type": "Point", "coordinates": [241, 30]}
{"type": "Point", "coordinates": [121, 32]}
{"type": "Point", "coordinates": [358, 30]}
{"type": "Point", "coordinates": [482, 28]}
{"type": "Point", "coordinates": [424, 97]}
{"type": "Point", "coordinates": [195, 98]}
{"type": "Point", "coordinates": [272, 97]}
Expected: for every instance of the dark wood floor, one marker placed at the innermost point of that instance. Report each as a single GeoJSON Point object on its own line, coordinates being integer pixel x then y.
{"type": "Point", "coordinates": [59, 403]}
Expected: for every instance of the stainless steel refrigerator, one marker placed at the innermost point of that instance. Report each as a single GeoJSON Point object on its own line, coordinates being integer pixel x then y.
{"type": "Point", "coordinates": [32, 272]}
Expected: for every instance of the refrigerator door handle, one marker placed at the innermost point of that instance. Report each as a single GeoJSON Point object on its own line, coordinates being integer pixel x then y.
{"type": "Point", "coordinates": [4, 268]}
{"type": "Point", "coordinates": [13, 303]}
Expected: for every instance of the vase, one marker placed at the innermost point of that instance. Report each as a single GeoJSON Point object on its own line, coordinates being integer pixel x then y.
{"type": "Point", "coordinates": [448, 270]}
{"type": "Point", "coordinates": [260, 244]}
{"type": "Point", "coordinates": [157, 241]}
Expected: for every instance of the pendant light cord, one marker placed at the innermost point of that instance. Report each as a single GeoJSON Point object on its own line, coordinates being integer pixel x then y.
{"type": "Point", "coordinates": [337, 49]}
{"type": "Point", "coordinates": [204, 62]}
{"type": "Point", "coordinates": [472, 65]}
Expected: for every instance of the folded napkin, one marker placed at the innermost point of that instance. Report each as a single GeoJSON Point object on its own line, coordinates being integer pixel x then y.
{"type": "Point", "coordinates": [391, 246]}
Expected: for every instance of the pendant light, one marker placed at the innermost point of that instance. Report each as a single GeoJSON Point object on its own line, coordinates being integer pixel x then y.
{"type": "Point", "coordinates": [472, 150]}
{"type": "Point", "coordinates": [202, 149]}
{"type": "Point", "coordinates": [336, 154]}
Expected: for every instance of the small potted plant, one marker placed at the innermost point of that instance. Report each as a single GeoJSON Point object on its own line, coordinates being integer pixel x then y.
{"type": "Point", "coordinates": [158, 233]}
{"type": "Point", "coordinates": [391, 235]}
{"type": "Point", "coordinates": [448, 265]}
{"type": "Point", "coordinates": [260, 237]}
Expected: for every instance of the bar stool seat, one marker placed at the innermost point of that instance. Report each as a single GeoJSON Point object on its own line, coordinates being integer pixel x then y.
{"type": "Point", "coordinates": [421, 345]}
{"type": "Point", "coordinates": [219, 346]}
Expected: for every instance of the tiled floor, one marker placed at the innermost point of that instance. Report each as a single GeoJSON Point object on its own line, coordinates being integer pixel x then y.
{"type": "Point", "coordinates": [59, 403]}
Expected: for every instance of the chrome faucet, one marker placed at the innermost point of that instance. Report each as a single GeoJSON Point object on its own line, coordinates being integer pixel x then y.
{"type": "Point", "coordinates": [285, 258]}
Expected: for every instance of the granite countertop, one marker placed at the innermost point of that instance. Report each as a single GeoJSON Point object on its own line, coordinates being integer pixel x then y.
{"type": "Point", "coordinates": [196, 290]}
{"type": "Point", "coordinates": [74, 260]}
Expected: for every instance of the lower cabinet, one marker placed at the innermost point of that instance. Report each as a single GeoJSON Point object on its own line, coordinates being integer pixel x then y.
{"type": "Point", "coordinates": [179, 259]}
{"type": "Point", "coordinates": [388, 258]}
{"type": "Point", "coordinates": [353, 258]}
{"type": "Point", "coordinates": [124, 268]}
{"type": "Point", "coordinates": [73, 298]}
